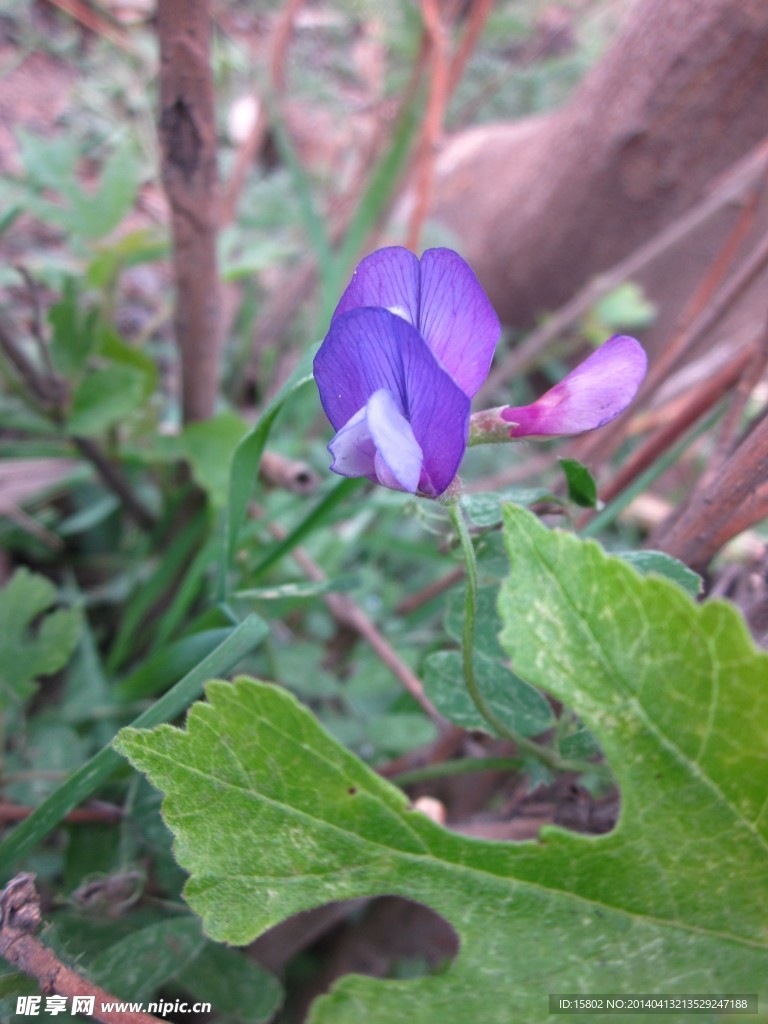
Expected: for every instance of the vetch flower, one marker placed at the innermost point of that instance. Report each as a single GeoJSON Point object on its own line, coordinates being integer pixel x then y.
{"type": "Point", "coordinates": [410, 342]}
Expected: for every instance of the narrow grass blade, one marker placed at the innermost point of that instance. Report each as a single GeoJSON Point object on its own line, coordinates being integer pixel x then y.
{"type": "Point", "coordinates": [178, 553]}
{"type": "Point", "coordinates": [314, 519]}
{"type": "Point", "coordinates": [245, 466]}
{"type": "Point", "coordinates": [184, 596]}
{"type": "Point", "coordinates": [158, 671]}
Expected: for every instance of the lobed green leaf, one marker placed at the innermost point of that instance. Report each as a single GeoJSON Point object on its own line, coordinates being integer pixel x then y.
{"type": "Point", "coordinates": [27, 652]}
{"type": "Point", "coordinates": [271, 816]}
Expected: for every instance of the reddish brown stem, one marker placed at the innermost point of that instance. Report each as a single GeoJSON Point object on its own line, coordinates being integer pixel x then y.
{"type": "Point", "coordinates": [478, 15]}
{"type": "Point", "coordinates": [97, 813]}
{"type": "Point", "coordinates": [440, 70]}
{"type": "Point", "coordinates": [736, 500]}
{"type": "Point", "coordinates": [188, 143]}
{"type": "Point", "coordinates": [19, 918]}
{"type": "Point", "coordinates": [741, 178]}
{"type": "Point", "coordinates": [695, 406]}
{"type": "Point", "coordinates": [282, 37]}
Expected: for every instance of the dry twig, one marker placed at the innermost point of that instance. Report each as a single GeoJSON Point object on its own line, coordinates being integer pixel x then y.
{"type": "Point", "coordinates": [733, 495]}
{"type": "Point", "coordinates": [19, 919]}
{"type": "Point", "coordinates": [96, 812]}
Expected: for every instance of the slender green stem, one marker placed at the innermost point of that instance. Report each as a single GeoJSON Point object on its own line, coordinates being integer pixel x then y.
{"type": "Point", "coordinates": [525, 746]}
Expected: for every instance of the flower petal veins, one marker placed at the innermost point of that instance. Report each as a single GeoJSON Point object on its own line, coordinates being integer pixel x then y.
{"type": "Point", "coordinates": [370, 350]}
{"type": "Point", "coordinates": [441, 297]}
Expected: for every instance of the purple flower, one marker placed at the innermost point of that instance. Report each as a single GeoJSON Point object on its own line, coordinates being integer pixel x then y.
{"type": "Point", "coordinates": [410, 343]}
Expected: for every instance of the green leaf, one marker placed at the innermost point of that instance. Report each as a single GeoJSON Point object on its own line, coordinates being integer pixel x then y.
{"type": "Point", "coordinates": [49, 163]}
{"type": "Point", "coordinates": [49, 746]}
{"type": "Point", "coordinates": [83, 782]}
{"type": "Point", "coordinates": [104, 398]}
{"type": "Point", "coordinates": [14, 984]}
{"type": "Point", "coordinates": [582, 489]}
{"type": "Point", "coordinates": [74, 337]}
{"type": "Point", "coordinates": [113, 347]}
{"type": "Point", "coordinates": [136, 966]}
{"type": "Point", "coordinates": [664, 565]}
{"type": "Point", "coordinates": [27, 652]}
{"type": "Point", "coordinates": [513, 701]}
{"type": "Point", "coordinates": [625, 308]}
{"type": "Point", "coordinates": [246, 459]}
{"type": "Point", "coordinates": [52, 165]}
{"type": "Point", "coordinates": [94, 216]}
{"type": "Point", "coordinates": [485, 507]}
{"type": "Point", "coordinates": [209, 447]}
{"type": "Point", "coordinates": [7, 219]}
{"type": "Point", "coordinates": [399, 732]}
{"type": "Point", "coordinates": [174, 952]}
{"type": "Point", "coordinates": [676, 695]}
{"type": "Point", "coordinates": [146, 245]}
{"type": "Point", "coordinates": [232, 983]}
{"type": "Point", "coordinates": [487, 621]}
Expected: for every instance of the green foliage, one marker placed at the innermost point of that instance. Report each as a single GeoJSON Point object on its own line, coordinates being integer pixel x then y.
{"type": "Point", "coordinates": [51, 165]}
{"type": "Point", "coordinates": [28, 648]}
{"type": "Point", "coordinates": [625, 308]}
{"type": "Point", "coordinates": [514, 702]}
{"type": "Point", "coordinates": [246, 459]}
{"type": "Point", "coordinates": [175, 951]}
{"type": "Point", "coordinates": [484, 509]}
{"type": "Point", "coordinates": [74, 336]}
{"type": "Point", "coordinates": [104, 399]}
{"type": "Point", "coordinates": [271, 813]}
{"type": "Point", "coordinates": [662, 564]}
{"type": "Point", "coordinates": [99, 768]}
{"type": "Point", "coordinates": [642, 665]}
{"type": "Point", "coordinates": [582, 488]}
{"type": "Point", "coordinates": [209, 447]}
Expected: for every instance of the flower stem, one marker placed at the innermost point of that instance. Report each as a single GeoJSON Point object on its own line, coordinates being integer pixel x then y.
{"type": "Point", "coordinates": [525, 746]}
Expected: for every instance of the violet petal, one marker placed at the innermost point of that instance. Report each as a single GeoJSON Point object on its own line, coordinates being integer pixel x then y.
{"type": "Point", "coordinates": [353, 448]}
{"type": "Point", "coordinates": [457, 318]}
{"type": "Point", "coordinates": [593, 394]}
{"type": "Point", "coordinates": [399, 459]}
{"type": "Point", "coordinates": [378, 442]}
{"type": "Point", "coordinates": [440, 296]}
{"type": "Point", "coordinates": [371, 349]}
{"type": "Point", "coordinates": [388, 279]}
